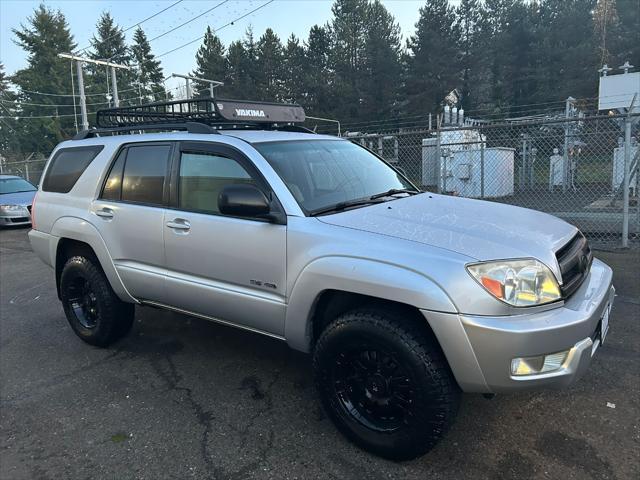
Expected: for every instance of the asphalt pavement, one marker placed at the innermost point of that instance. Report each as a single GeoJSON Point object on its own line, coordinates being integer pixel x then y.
{"type": "Point", "coordinates": [185, 398]}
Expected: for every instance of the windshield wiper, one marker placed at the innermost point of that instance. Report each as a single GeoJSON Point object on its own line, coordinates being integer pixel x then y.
{"type": "Point", "coordinates": [338, 207]}
{"type": "Point", "coordinates": [394, 191]}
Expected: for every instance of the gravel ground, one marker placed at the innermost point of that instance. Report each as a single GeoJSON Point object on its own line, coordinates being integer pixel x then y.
{"type": "Point", "coordinates": [185, 398]}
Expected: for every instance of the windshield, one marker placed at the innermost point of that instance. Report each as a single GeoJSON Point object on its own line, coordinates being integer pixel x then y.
{"type": "Point", "coordinates": [324, 173]}
{"type": "Point", "coordinates": [15, 185]}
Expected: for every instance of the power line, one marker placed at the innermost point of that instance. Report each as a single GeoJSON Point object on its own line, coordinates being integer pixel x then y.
{"type": "Point", "coordinates": [216, 29]}
{"type": "Point", "coordinates": [188, 21]}
{"type": "Point", "coordinates": [135, 24]}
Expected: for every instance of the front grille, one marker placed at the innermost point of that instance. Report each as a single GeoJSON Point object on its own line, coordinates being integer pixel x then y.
{"type": "Point", "coordinates": [19, 219]}
{"type": "Point", "coordinates": [574, 260]}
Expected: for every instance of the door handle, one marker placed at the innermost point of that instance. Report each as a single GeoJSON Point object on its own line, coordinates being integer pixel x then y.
{"type": "Point", "coordinates": [179, 224]}
{"type": "Point", "coordinates": [105, 213]}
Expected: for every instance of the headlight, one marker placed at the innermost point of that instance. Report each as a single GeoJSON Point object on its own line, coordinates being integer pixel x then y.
{"type": "Point", "coordinates": [520, 283]}
{"type": "Point", "coordinates": [11, 208]}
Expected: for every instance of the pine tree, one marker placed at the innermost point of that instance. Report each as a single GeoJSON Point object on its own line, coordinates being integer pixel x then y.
{"type": "Point", "coordinates": [293, 71]}
{"type": "Point", "coordinates": [45, 35]}
{"type": "Point", "coordinates": [211, 63]}
{"type": "Point", "coordinates": [108, 43]}
{"type": "Point", "coordinates": [236, 79]}
{"type": "Point", "coordinates": [269, 62]}
{"type": "Point", "coordinates": [147, 70]}
{"type": "Point", "coordinates": [348, 28]}
{"type": "Point", "coordinates": [432, 66]}
{"type": "Point", "coordinates": [8, 140]}
{"type": "Point", "coordinates": [566, 52]}
{"type": "Point", "coordinates": [319, 78]}
{"type": "Point", "coordinates": [381, 67]}
{"type": "Point", "coordinates": [469, 14]}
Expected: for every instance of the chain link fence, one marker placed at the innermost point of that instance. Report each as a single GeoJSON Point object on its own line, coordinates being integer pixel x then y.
{"type": "Point", "coordinates": [28, 166]}
{"type": "Point", "coordinates": [573, 169]}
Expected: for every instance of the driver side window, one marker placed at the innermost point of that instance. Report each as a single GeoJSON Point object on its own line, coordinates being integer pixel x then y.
{"type": "Point", "coordinates": [202, 178]}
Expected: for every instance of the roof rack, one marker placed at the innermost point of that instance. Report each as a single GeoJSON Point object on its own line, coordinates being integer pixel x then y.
{"type": "Point", "coordinates": [218, 113]}
{"type": "Point", "coordinates": [191, 127]}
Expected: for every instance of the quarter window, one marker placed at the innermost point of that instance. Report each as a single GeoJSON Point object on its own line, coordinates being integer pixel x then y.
{"type": "Point", "coordinates": [202, 178]}
{"type": "Point", "coordinates": [144, 175]}
{"type": "Point", "coordinates": [113, 185]}
{"type": "Point", "coordinates": [66, 167]}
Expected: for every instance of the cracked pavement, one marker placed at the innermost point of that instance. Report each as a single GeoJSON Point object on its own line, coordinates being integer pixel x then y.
{"type": "Point", "coordinates": [184, 398]}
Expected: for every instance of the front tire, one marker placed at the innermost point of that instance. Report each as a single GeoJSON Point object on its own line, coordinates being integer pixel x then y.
{"type": "Point", "coordinates": [93, 310]}
{"type": "Point", "coordinates": [385, 383]}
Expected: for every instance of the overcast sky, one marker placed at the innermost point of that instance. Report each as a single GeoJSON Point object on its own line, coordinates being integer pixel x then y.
{"type": "Point", "coordinates": [284, 16]}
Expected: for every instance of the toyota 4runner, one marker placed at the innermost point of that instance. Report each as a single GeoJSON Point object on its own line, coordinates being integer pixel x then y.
{"type": "Point", "coordinates": [235, 213]}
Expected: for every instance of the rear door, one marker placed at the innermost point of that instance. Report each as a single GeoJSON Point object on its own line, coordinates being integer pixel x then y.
{"type": "Point", "coordinates": [220, 266]}
{"type": "Point", "coordinates": [130, 213]}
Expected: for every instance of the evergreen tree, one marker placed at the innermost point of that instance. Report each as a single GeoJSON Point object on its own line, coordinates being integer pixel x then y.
{"type": "Point", "coordinates": [623, 33]}
{"type": "Point", "coordinates": [469, 14]}
{"type": "Point", "coordinates": [319, 76]}
{"type": "Point", "coordinates": [566, 52]}
{"type": "Point", "coordinates": [293, 72]}
{"type": "Point", "coordinates": [432, 66]}
{"type": "Point", "coordinates": [147, 70]}
{"type": "Point", "coordinates": [269, 62]}
{"type": "Point", "coordinates": [380, 83]}
{"type": "Point", "coordinates": [211, 63]}
{"type": "Point", "coordinates": [45, 35]}
{"type": "Point", "coordinates": [8, 140]}
{"type": "Point", "coordinates": [236, 79]}
{"type": "Point", "coordinates": [348, 28]}
{"type": "Point", "coordinates": [108, 43]}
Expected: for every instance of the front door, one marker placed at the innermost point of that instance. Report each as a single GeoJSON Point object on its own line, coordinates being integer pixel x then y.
{"type": "Point", "coordinates": [220, 266]}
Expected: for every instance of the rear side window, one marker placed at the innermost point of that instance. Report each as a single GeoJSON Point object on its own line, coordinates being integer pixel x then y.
{"type": "Point", "coordinates": [138, 175]}
{"type": "Point", "coordinates": [66, 167]}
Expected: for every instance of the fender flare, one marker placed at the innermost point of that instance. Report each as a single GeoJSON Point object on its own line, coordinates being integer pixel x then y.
{"type": "Point", "coordinates": [382, 280]}
{"type": "Point", "coordinates": [75, 228]}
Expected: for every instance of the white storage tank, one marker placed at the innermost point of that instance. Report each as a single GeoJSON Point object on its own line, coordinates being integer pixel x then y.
{"type": "Point", "coordinates": [618, 169]}
{"type": "Point", "coordinates": [462, 172]}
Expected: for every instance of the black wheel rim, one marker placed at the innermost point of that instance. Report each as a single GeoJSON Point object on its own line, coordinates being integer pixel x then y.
{"type": "Point", "coordinates": [83, 302]}
{"type": "Point", "coordinates": [373, 388]}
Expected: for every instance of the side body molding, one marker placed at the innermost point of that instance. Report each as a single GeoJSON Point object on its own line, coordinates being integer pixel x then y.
{"type": "Point", "coordinates": [79, 229]}
{"type": "Point", "coordinates": [356, 275]}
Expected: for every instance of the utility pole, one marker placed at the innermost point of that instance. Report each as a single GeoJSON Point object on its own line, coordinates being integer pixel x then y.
{"type": "Point", "coordinates": [565, 154]}
{"type": "Point", "coordinates": [212, 83]}
{"type": "Point", "coordinates": [83, 99]}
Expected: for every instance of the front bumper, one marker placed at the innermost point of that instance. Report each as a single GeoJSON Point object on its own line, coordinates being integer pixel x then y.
{"type": "Point", "coordinates": [480, 349]}
{"type": "Point", "coordinates": [14, 220]}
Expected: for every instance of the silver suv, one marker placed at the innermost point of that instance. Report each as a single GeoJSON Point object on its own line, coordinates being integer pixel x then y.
{"type": "Point", "coordinates": [404, 298]}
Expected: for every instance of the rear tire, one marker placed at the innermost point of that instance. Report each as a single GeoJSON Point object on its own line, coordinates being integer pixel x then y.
{"type": "Point", "coordinates": [93, 310]}
{"type": "Point", "coordinates": [385, 383]}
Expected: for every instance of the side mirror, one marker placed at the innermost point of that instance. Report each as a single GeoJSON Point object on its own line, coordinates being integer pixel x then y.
{"type": "Point", "coordinates": [243, 200]}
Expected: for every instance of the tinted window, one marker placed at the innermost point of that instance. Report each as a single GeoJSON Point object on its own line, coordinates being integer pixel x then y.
{"type": "Point", "coordinates": [144, 173]}
{"type": "Point", "coordinates": [113, 185]}
{"type": "Point", "coordinates": [15, 185]}
{"type": "Point", "coordinates": [202, 178]}
{"type": "Point", "coordinates": [67, 166]}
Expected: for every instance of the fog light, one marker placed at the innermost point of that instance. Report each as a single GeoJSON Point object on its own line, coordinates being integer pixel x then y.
{"type": "Point", "coordinates": [538, 364]}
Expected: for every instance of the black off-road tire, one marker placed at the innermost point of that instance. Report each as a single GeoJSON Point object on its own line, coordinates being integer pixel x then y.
{"type": "Point", "coordinates": [406, 428]}
{"type": "Point", "coordinates": [93, 310]}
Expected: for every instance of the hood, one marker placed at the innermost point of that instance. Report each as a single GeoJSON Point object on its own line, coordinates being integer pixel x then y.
{"type": "Point", "coordinates": [478, 229]}
{"type": "Point", "coordinates": [18, 198]}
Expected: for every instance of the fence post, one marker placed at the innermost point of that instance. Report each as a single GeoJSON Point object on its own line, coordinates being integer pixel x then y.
{"type": "Point", "coordinates": [481, 166]}
{"type": "Point", "coordinates": [625, 188]}
{"type": "Point", "coordinates": [439, 158]}
{"type": "Point", "coordinates": [26, 171]}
